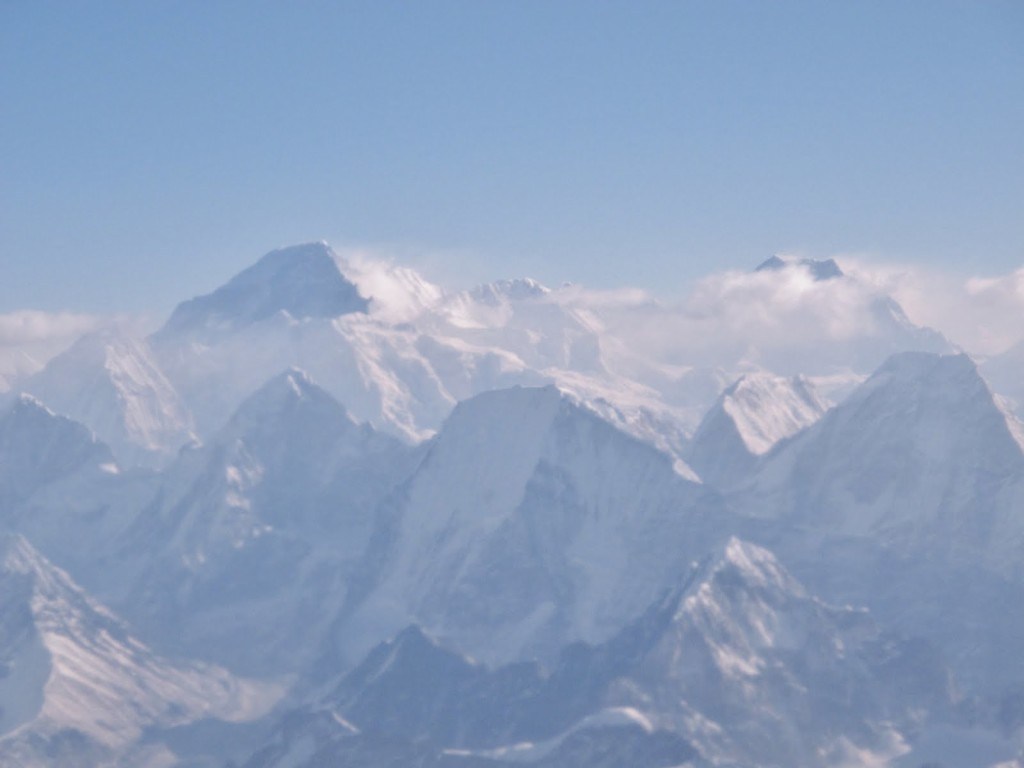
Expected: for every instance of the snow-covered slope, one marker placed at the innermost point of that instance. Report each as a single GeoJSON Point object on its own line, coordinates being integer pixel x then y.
{"type": "Point", "coordinates": [530, 522]}
{"type": "Point", "coordinates": [399, 353]}
{"type": "Point", "coordinates": [403, 357]}
{"type": "Point", "coordinates": [754, 669]}
{"type": "Point", "coordinates": [60, 487]}
{"type": "Point", "coordinates": [111, 382]}
{"type": "Point", "coordinates": [287, 528]}
{"type": "Point", "coordinates": [38, 447]}
{"type": "Point", "coordinates": [906, 497]}
{"type": "Point", "coordinates": [384, 369]}
{"type": "Point", "coordinates": [77, 689]}
{"type": "Point", "coordinates": [920, 449]}
{"type": "Point", "coordinates": [748, 419]}
{"type": "Point", "coordinates": [247, 544]}
{"type": "Point", "coordinates": [736, 665]}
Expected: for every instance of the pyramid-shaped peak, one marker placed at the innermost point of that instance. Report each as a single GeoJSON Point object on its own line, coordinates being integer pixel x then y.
{"type": "Point", "coordinates": [738, 562]}
{"type": "Point", "coordinates": [304, 281]}
{"type": "Point", "coordinates": [413, 647]}
{"type": "Point", "coordinates": [761, 384]}
{"type": "Point", "coordinates": [30, 420]}
{"type": "Point", "coordinates": [293, 383]}
{"type": "Point", "coordinates": [282, 400]}
{"type": "Point", "coordinates": [751, 416]}
{"type": "Point", "coordinates": [309, 258]}
{"type": "Point", "coordinates": [820, 269]}
{"type": "Point", "coordinates": [936, 386]}
{"type": "Point", "coordinates": [38, 447]}
{"type": "Point", "coordinates": [944, 394]}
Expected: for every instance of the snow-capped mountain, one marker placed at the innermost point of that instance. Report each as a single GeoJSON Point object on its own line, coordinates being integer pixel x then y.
{"type": "Point", "coordinates": [38, 447]}
{"type": "Point", "coordinates": [248, 542]}
{"type": "Point", "coordinates": [386, 372]}
{"type": "Point", "coordinates": [399, 353]}
{"type": "Point", "coordinates": [756, 669]}
{"type": "Point", "coordinates": [78, 689]}
{"type": "Point", "coordinates": [336, 452]}
{"type": "Point", "coordinates": [921, 446]}
{"type": "Point", "coordinates": [60, 487]}
{"type": "Point", "coordinates": [737, 665]}
{"type": "Point", "coordinates": [110, 381]}
{"type": "Point", "coordinates": [750, 417]}
{"type": "Point", "coordinates": [818, 320]}
{"type": "Point", "coordinates": [819, 269]}
{"type": "Point", "coordinates": [906, 497]}
{"type": "Point", "coordinates": [302, 281]}
{"type": "Point", "coordinates": [530, 513]}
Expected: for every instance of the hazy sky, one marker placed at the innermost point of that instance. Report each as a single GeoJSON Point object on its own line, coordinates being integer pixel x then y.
{"type": "Point", "coordinates": [150, 150]}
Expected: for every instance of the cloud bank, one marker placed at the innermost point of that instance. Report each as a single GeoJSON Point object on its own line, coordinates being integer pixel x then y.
{"type": "Point", "coordinates": [984, 315]}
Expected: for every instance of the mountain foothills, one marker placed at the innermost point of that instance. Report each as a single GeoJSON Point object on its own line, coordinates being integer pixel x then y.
{"type": "Point", "coordinates": [330, 514]}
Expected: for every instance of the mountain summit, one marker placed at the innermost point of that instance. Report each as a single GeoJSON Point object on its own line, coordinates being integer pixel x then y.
{"type": "Point", "coordinates": [302, 280]}
{"type": "Point", "coordinates": [750, 417]}
{"type": "Point", "coordinates": [820, 269]}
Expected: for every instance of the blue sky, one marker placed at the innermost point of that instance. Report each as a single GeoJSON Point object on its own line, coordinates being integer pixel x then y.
{"type": "Point", "coordinates": [150, 150]}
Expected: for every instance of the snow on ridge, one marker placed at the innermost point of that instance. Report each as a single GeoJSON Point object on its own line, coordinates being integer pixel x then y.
{"type": "Point", "coordinates": [513, 289]}
{"type": "Point", "coordinates": [99, 680]}
{"type": "Point", "coordinates": [767, 409]}
{"type": "Point", "coordinates": [111, 382]}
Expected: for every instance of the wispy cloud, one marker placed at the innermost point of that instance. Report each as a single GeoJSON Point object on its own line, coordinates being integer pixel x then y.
{"type": "Point", "coordinates": [29, 338]}
{"type": "Point", "coordinates": [31, 326]}
{"type": "Point", "coordinates": [982, 314]}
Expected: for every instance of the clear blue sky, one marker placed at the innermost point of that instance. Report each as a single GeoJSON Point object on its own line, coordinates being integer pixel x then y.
{"type": "Point", "coordinates": [150, 150]}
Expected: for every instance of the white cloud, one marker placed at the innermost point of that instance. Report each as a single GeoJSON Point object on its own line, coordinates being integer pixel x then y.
{"type": "Point", "coordinates": [783, 320]}
{"type": "Point", "coordinates": [31, 326]}
{"type": "Point", "coordinates": [982, 315]}
{"type": "Point", "coordinates": [29, 338]}
{"type": "Point", "coordinates": [397, 293]}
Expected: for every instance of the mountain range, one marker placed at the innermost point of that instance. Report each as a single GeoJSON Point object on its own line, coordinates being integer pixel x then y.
{"type": "Point", "coordinates": [330, 514]}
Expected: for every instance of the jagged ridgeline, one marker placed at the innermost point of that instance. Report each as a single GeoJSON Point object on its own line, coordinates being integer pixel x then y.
{"type": "Point", "coordinates": [330, 514]}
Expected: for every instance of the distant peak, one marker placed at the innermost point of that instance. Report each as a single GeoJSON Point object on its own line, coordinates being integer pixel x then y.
{"type": "Point", "coordinates": [820, 269]}
{"type": "Point", "coordinates": [517, 289]}
{"type": "Point", "coordinates": [738, 562]}
{"type": "Point", "coordinates": [284, 390]}
{"type": "Point", "coordinates": [33, 420]}
{"type": "Point", "coordinates": [293, 379]}
{"type": "Point", "coordinates": [304, 281]}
